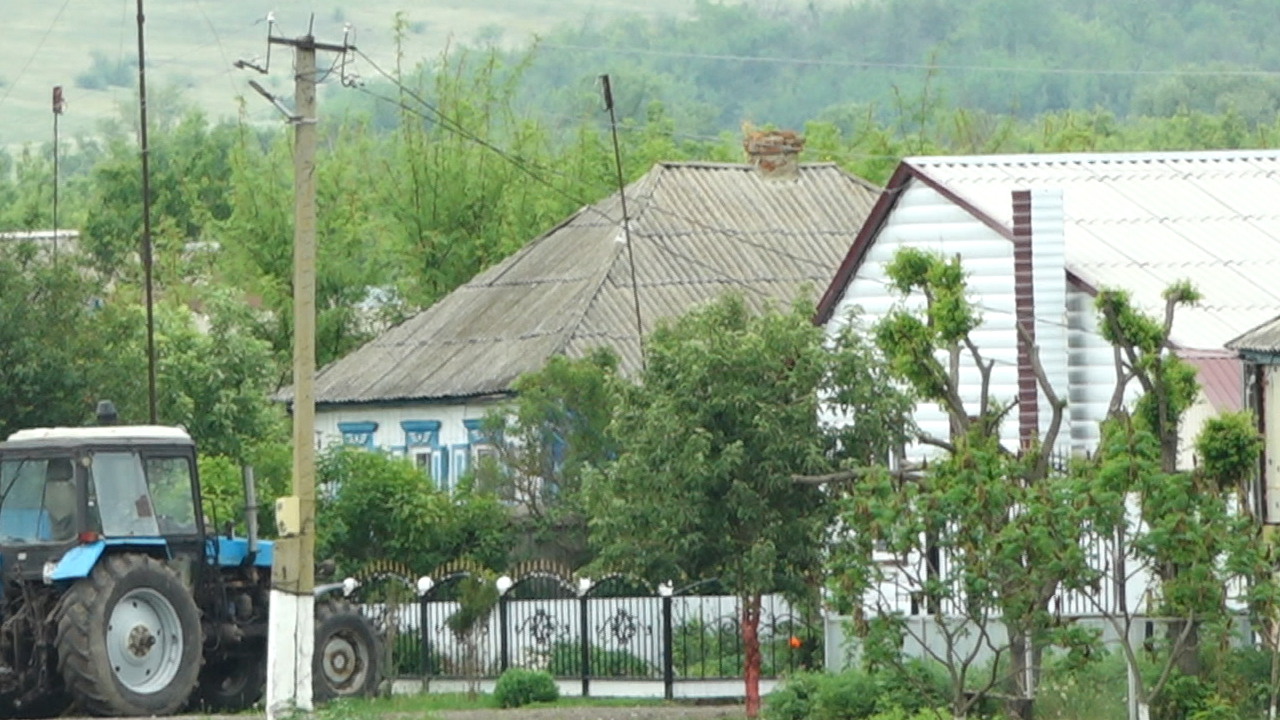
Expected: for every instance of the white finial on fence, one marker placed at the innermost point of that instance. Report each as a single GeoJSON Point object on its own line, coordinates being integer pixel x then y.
{"type": "Point", "coordinates": [666, 589]}
{"type": "Point", "coordinates": [504, 584]}
{"type": "Point", "coordinates": [424, 585]}
{"type": "Point", "coordinates": [584, 585]}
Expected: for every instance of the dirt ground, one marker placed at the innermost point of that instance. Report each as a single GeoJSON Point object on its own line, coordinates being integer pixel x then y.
{"type": "Point", "coordinates": [642, 712]}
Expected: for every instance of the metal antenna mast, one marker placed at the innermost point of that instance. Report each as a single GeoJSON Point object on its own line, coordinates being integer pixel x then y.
{"type": "Point", "coordinates": [146, 218]}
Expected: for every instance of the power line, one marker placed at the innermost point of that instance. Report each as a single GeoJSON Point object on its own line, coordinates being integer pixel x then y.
{"type": "Point", "coordinates": [35, 52]}
{"type": "Point", "coordinates": [218, 40]}
{"type": "Point", "coordinates": [872, 64]}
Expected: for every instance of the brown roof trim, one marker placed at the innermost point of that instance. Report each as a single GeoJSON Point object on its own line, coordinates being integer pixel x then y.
{"type": "Point", "coordinates": [862, 243]}
{"type": "Point", "coordinates": [903, 174]}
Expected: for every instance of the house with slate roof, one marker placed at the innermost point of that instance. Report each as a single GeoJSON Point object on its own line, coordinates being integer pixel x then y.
{"type": "Point", "coordinates": [765, 229]}
{"type": "Point", "coordinates": [1039, 234]}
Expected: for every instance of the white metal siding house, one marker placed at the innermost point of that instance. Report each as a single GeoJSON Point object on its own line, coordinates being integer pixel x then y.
{"type": "Point", "coordinates": [697, 230]}
{"type": "Point", "coordinates": [1039, 234]}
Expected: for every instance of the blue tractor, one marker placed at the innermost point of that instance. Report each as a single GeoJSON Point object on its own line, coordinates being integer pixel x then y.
{"type": "Point", "coordinates": [116, 598]}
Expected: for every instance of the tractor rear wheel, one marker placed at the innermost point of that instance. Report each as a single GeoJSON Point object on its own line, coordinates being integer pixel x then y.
{"type": "Point", "coordinates": [346, 656]}
{"type": "Point", "coordinates": [231, 684]}
{"type": "Point", "coordinates": [129, 639]}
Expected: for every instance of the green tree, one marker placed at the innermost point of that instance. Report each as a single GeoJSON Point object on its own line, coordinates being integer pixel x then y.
{"type": "Point", "coordinates": [379, 507]}
{"type": "Point", "coordinates": [1191, 528]}
{"type": "Point", "coordinates": [726, 411]}
{"type": "Point", "coordinates": [984, 534]}
{"type": "Point", "coordinates": [556, 429]}
{"type": "Point", "coordinates": [50, 350]}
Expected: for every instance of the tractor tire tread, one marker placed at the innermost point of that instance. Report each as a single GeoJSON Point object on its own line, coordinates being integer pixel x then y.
{"type": "Point", "coordinates": [325, 611]}
{"type": "Point", "coordinates": [74, 642]}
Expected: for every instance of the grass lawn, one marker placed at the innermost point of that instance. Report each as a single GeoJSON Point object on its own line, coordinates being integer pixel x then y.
{"type": "Point", "coordinates": [432, 702]}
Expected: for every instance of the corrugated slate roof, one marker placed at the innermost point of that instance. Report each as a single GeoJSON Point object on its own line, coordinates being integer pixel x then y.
{"type": "Point", "coordinates": [697, 230]}
{"type": "Point", "coordinates": [1264, 338]}
{"type": "Point", "coordinates": [1140, 221]}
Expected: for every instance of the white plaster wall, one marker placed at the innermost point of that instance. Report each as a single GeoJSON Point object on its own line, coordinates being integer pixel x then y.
{"type": "Point", "coordinates": [389, 433]}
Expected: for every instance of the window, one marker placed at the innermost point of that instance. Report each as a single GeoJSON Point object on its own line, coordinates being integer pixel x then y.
{"type": "Point", "coordinates": [169, 479]}
{"type": "Point", "coordinates": [119, 496]}
{"type": "Point", "coordinates": [422, 444]}
{"type": "Point", "coordinates": [39, 500]}
{"type": "Point", "coordinates": [358, 433]}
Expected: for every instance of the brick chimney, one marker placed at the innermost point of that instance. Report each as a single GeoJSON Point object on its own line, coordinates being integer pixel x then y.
{"type": "Point", "coordinates": [774, 153]}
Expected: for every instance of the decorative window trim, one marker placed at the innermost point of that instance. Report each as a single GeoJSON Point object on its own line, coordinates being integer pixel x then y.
{"type": "Point", "coordinates": [419, 433]}
{"type": "Point", "coordinates": [358, 433]}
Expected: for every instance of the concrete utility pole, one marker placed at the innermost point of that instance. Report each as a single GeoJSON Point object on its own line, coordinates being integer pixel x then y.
{"type": "Point", "coordinates": [291, 635]}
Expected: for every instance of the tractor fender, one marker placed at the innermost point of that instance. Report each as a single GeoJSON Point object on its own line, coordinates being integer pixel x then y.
{"type": "Point", "coordinates": [80, 560]}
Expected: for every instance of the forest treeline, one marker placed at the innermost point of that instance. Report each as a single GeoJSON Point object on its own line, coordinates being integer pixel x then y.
{"type": "Point", "coordinates": [787, 63]}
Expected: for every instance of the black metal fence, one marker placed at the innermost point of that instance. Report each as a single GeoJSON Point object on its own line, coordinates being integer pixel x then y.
{"type": "Point", "coordinates": [615, 629]}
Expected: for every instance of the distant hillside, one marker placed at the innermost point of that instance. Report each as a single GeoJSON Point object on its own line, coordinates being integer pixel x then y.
{"type": "Point", "coordinates": [786, 64]}
{"type": "Point", "coordinates": [91, 50]}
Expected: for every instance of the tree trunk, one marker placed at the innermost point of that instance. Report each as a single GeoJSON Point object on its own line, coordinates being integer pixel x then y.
{"type": "Point", "coordinates": [1187, 659]}
{"type": "Point", "coordinates": [751, 652]}
{"type": "Point", "coordinates": [1021, 665]}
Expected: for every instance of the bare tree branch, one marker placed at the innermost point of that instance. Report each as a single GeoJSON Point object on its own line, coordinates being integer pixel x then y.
{"type": "Point", "coordinates": [984, 371]}
{"type": "Point", "coordinates": [1113, 323]}
{"type": "Point", "coordinates": [1057, 404]}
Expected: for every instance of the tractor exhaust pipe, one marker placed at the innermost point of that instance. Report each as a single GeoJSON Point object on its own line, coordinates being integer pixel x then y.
{"type": "Point", "coordinates": [250, 513]}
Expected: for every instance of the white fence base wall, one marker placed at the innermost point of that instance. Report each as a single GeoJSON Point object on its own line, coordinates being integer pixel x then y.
{"type": "Point", "coordinates": [682, 690]}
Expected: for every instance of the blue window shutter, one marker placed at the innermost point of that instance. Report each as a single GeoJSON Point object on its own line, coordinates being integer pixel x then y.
{"type": "Point", "coordinates": [440, 468]}
{"type": "Point", "coordinates": [461, 461]}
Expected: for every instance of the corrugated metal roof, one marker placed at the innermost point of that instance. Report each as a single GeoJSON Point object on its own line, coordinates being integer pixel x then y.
{"type": "Point", "coordinates": [697, 229]}
{"type": "Point", "coordinates": [1221, 376]}
{"type": "Point", "coordinates": [1140, 221]}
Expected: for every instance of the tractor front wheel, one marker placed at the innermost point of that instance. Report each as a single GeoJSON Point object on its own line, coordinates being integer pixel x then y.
{"type": "Point", "coordinates": [129, 639]}
{"type": "Point", "coordinates": [346, 657]}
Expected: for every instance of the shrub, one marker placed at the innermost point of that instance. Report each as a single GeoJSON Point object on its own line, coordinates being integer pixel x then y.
{"type": "Point", "coordinates": [517, 687]}
{"type": "Point", "coordinates": [850, 694]}
{"type": "Point", "coordinates": [566, 661]}
{"type": "Point", "coordinates": [915, 687]}
{"type": "Point", "coordinates": [794, 699]}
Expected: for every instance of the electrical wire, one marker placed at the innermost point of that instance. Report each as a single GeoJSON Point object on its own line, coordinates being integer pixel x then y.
{"type": "Point", "coordinates": [872, 64]}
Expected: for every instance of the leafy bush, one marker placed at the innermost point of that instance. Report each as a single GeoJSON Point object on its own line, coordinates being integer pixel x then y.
{"type": "Point", "coordinates": [850, 694]}
{"type": "Point", "coordinates": [898, 693]}
{"type": "Point", "coordinates": [566, 661]}
{"type": "Point", "coordinates": [377, 507]}
{"type": "Point", "coordinates": [706, 650]}
{"type": "Point", "coordinates": [794, 699]}
{"type": "Point", "coordinates": [916, 687]}
{"type": "Point", "coordinates": [517, 687]}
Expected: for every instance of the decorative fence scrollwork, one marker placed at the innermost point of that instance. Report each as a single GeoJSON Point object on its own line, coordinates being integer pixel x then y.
{"type": "Point", "coordinates": [616, 628]}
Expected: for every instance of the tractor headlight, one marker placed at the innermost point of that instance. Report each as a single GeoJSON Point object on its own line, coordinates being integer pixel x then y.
{"type": "Point", "coordinates": [48, 572]}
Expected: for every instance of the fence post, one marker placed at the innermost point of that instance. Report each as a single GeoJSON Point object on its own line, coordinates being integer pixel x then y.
{"type": "Point", "coordinates": [425, 583]}
{"type": "Point", "coordinates": [668, 661]}
{"type": "Point", "coordinates": [504, 640]}
{"type": "Point", "coordinates": [584, 633]}
{"type": "Point", "coordinates": [424, 632]}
